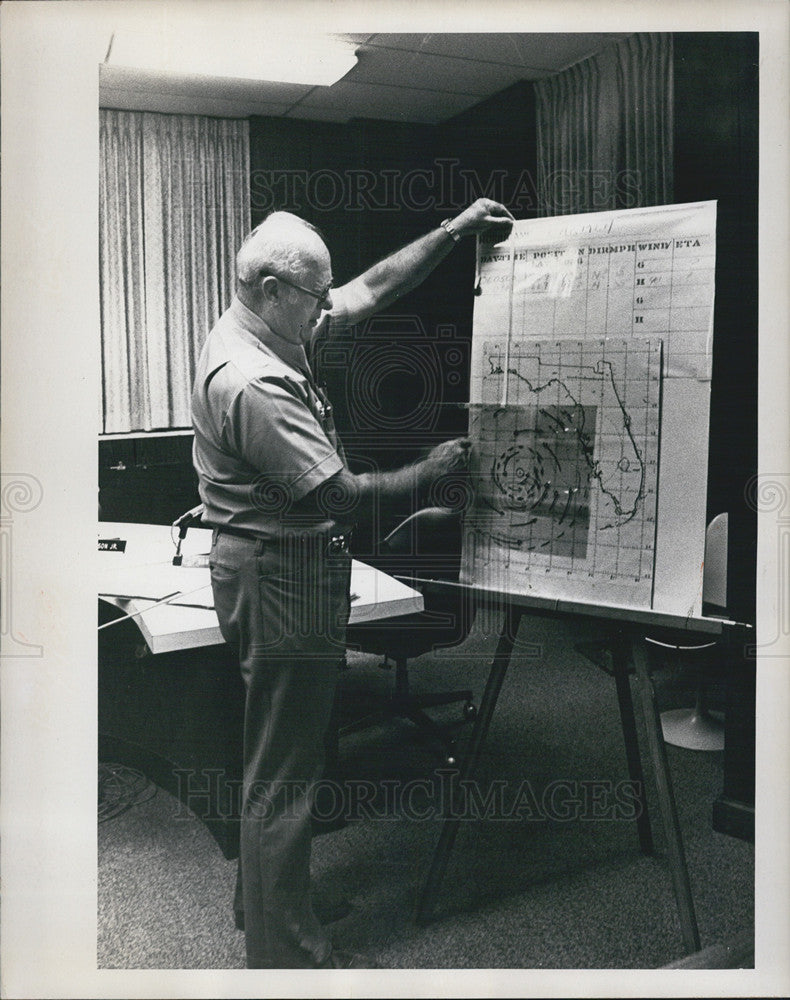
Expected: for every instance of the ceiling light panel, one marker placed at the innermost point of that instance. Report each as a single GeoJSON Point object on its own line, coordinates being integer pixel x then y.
{"type": "Point", "coordinates": [193, 48]}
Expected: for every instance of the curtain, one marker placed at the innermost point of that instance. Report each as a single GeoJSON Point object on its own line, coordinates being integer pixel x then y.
{"type": "Point", "coordinates": [605, 129]}
{"type": "Point", "coordinates": [174, 208]}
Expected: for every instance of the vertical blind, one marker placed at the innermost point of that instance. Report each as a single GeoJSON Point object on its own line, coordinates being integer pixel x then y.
{"type": "Point", "coordinates": [174, 208]}
{"type": "Point", "coordinates": [605, 129]}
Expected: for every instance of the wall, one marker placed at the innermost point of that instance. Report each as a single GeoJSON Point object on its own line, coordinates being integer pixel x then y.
{"type": "Point", "coordinates": [397, 381]}
{"type": "Point", "coordinates": [147, 479]}
{"type": "Point", "coordinates": [716, 157]}
{"type": "Point", "coordinates": [368, 186]}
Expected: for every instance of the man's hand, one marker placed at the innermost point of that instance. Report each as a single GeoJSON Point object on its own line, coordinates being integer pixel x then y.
{"type": "Point", "coordinates": [449, 456]}
{"type": "Point", "coordinates": [484, 217]}
{"type": "Point", "coordinates": [443, 479]}
{"type": "Point", "coordinates": [382, 284]}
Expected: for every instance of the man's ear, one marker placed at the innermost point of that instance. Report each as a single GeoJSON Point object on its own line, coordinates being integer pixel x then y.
{"type": "Point", "coordinates": [270, 289]}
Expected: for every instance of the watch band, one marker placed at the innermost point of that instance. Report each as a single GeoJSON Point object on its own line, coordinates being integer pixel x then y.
{"type": "Point", "coordinates": [447, 226]}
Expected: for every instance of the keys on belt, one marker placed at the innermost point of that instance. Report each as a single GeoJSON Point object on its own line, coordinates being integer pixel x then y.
{"type": "Point", "coordinates": [338, 544]}
{"type": "Point", "coordinates": [335, 546]}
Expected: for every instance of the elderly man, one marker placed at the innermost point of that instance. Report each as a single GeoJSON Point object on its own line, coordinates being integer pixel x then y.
{"type": "Point", "coordinates": [276, 489]}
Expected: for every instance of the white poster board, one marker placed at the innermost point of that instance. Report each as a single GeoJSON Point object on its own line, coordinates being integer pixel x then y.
{"type": "Point", "coordinates": [589, 408]}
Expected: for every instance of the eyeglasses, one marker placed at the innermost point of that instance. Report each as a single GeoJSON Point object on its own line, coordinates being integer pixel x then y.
{"type": "Point", "coordinates": [320, 297]}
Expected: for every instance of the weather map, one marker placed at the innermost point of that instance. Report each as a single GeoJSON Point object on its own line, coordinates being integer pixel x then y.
{"type": "Point", "coordinates": [589, 401]}
{"type": "Point", "coordinates": [565, 473]}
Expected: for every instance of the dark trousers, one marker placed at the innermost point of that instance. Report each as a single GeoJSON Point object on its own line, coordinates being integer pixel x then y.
{"type": "Point", "coordinates": [284, 605]}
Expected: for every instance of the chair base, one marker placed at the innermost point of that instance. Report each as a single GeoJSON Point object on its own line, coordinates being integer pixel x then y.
{"type": "Point", "coordinates": [412, 707]}
{"type": "Point", "coordinates": [693, 729]}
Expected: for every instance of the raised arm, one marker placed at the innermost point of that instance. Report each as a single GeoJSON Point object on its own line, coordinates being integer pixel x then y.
{"type": "Point", "coordinates": [406, 268]}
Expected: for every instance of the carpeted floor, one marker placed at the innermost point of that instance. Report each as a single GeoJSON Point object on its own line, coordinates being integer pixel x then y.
{"type": "Point", "coordinates": [557, 883]}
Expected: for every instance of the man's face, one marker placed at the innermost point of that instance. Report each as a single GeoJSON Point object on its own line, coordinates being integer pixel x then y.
{"type": "Point", "coordinates": [312, 299]}
{"type": "Point", "coordinates": [301, 303]}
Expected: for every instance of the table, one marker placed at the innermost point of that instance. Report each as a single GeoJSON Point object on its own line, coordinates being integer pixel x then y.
{"type": "Point", "coordinates": [136, 571]}
{"type": "Point", "coordinates": [173, 706]}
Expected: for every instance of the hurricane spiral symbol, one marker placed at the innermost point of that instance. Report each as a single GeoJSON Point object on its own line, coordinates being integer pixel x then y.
{"type": "Point", "coordinates": [518, 479]}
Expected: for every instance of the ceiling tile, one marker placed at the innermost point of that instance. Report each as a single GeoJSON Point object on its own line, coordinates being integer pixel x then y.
{"type": "Point", "coordinates": [544, 50]}
{"type": "Point", "coordinates": [363, 100]}
{"type": "Point", "coordinates": [399, 40]}
{"type": "Point", "coordinates": [498, 48]}
{"type": "Point", "coordinates": [340, 115]}
{"type": "Point", "coordinates": [554, 52]}
{"type": "Point", "coordinates": [210, 87]}
{"type": "Point", "coordinates": [430, 72]}
{"type": "Point", "coordinates": [445, 74]}
{"type": "Point", "coordinates": [357, 39]}
{"type": "Point", "coordinates": [186, 104]}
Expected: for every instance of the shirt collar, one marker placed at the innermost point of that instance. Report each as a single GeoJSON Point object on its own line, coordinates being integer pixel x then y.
{"type": "Point", "coordinates": [292, 354]}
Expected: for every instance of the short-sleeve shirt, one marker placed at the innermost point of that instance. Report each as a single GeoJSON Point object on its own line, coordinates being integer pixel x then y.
{"type": "Point", "coordinates": [264, 434]}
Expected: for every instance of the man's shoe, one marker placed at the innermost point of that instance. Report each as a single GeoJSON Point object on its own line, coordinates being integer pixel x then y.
{"type": "Point", "coordinates": [347, 960]}
{"type": "Point", "coordinates": [327, 910]}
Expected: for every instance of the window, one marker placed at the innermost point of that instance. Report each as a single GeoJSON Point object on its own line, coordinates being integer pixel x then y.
{"type": "Point", "coordinates": [174, 208]}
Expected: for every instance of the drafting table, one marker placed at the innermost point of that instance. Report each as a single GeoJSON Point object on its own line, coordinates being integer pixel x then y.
{"type": "Point", "coordinates": [141, 575]}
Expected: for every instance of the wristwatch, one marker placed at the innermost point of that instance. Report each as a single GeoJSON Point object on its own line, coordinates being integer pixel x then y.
{"type": "Point", "coordinates": [448, 227]}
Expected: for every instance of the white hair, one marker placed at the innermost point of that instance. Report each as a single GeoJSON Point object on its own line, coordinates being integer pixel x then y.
{"type": "Point", "coordinates": [283, 244]}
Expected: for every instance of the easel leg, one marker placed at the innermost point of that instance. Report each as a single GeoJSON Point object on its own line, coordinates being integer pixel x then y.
{"type": "Point", "coordinates": [669, 816]}
{"type": "Point", "coordinates": [620, 659]}
{"type": "Point", "coordinates": [426, 900]}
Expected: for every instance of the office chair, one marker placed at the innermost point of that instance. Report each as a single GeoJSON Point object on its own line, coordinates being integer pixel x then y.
{"type": "Point", "coordinates": [427, 544]}
{"type": "Point", "coordinates": [696, 728]}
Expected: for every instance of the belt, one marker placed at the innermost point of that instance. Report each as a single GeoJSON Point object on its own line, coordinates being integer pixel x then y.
{"type": "Point", "coordinates": [335, 544]}
{"type": "Point", "coordinates": [238, 532]}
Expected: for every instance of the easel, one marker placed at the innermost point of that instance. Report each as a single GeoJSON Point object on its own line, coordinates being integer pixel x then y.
{"type": "Point", "coordinates": [623, 641]}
